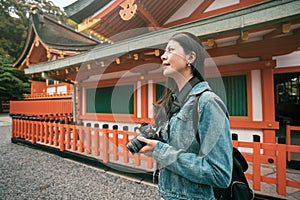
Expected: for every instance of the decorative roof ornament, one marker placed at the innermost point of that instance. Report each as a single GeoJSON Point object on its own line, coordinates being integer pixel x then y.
{"type": "Point", "coordinates": [128, 10]}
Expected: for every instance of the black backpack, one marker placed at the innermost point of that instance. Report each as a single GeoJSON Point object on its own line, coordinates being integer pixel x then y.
{"type": "Point", "coordinates": [239, 188]}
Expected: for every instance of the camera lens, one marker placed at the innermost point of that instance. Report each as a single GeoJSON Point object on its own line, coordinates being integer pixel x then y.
{"type": "Point", "coordinates": [135, 145]}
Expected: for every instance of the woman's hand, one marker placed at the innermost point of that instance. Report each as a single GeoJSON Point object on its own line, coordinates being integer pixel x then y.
{"type": "Point", "coordinates": [149, 147]}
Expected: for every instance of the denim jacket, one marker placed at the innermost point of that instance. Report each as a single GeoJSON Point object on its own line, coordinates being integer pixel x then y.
{"type": "Point", "coordinates": [189, 170]}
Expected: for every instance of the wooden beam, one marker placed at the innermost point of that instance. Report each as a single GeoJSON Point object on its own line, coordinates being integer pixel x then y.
{"type": "Point", "coordinates": [202, 7]}
{"type": "Point", "coordinates": [107, 10]}
{"type": "Point", "coordinates": [198, 16]}
{"type": "Point", "coordinates": [133, 66]}
{"type": "Point", "coordinates": [263, 48]}
{"type": "Point", "coordinates": [93, 20]}
{"type": "Point", "coordinates": [146, 15]}
{"type": "Point", "coordinates": [273, 33]}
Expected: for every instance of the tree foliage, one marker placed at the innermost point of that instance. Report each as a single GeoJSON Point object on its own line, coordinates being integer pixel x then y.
{"type": "Point", "coordinates": [14, 22]}
{"type": "Point", "coordinates": [13, 82]}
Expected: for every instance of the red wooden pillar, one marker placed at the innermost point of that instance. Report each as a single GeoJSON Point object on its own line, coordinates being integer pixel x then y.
{"type": "Point", "coordinates": [144, 100]}
{"type": "Point", "coordinates": [269, 135]}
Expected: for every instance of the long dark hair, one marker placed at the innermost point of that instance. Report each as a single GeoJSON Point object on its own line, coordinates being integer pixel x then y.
{"type": "Point", "coordinates": [190, 43]}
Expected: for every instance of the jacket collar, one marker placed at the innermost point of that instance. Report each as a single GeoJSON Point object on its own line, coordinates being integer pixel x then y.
{"type": "Point", "coordinates": [198, 88]}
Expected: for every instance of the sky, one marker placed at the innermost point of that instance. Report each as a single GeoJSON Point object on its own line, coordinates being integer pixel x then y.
{"type": "Point", "coordinates": [63, 3]}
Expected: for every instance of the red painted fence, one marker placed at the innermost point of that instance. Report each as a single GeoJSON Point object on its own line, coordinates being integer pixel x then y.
{"type": "Point", "coordinates": [108, 145]}
{"type": "Point", "coordinates": [42, 106]}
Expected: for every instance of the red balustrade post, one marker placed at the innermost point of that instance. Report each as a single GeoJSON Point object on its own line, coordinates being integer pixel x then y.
{"type": "Point", "coordinates": [42, 129]}
{"type": "Point", "coordinates": [17, 126]}
{"type": "Point", "coordinates": [105, 143]}
{"type": "Point", "coordinates": [125, 141]}
{"type": "Point", "coordinates": [115, 143]}
{"type": "Point", "coordinates": [96, 139]}
{"type": "Point", "coordinates": [33, 132]}
{"type": "Point", "coordinates": [288, 140]}
{"type": "Point", "coordinates": [62, 146]}
{"type": "Point", "coordinates": [25, 131]}
{"type": "Point", "coordinates": [88, 139]}
{"type": "Point", "coordinates": [68, 134]}
{"type": "Point", "coordinates": [149, 162]}
{"type": "Point", "coordinates": [75, 137]}
{"type": "Point", "coordinates": [81, 139]}
{"type": "Point", "coordinates": [29, 128]}
{"type": "Point", "coordinates": [281, 169]}
{"type": "Point", "coordinates": [13, 127]}
{"type": "Point", "coordinates": [256, 162]}
{"type": "Point", "coordinates": [50, 125]}
{"type": "Point", "coordinates": [56, 133]}
{"type": "Point", "coordinates": [36, 135]}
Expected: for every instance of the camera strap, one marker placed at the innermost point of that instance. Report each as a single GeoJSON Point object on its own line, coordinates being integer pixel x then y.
{"type": "Point", "coordinates": [178, 101]}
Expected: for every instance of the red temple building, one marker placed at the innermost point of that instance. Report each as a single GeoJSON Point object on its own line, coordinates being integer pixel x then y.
{"type": "Point", "coordinates": [104, 88]}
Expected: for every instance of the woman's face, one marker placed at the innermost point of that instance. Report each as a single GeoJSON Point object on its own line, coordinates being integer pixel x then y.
{"type": "Point", "coordinates": [174, 60]}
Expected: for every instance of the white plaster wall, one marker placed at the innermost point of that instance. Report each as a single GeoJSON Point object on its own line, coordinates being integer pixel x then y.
{"type": "Point", "coordinates": [186, 10]}
{"type": "Point", "coordinates": [139, 99]}
{"type": "Point", "coordinates": [191, 5]}
{"type": "Point", "coordinates": [83, 104]}
{"type": "Point", "coordinates": [256, 95]}
{"type": "Point", "coordinates": [289, 60]}
{"type": "Point", "coordinates": [246, 135]}
{"type": "Point", "coordinates": [150, 99]}
{"type": "Point", "coordinates": [221, 4]}
{"type": "Point", "coordinates": [51, 90]}
{"type": "Point", "coordinates": [62, 89]}
{"type": "Point", "coordinates": [131, 126]}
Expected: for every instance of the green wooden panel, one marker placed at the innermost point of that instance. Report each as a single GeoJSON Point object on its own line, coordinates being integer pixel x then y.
{"type": "Point", "coordinates": [233, 91]}
{"type": "Point", "coordinates": [116, 100]}
{"type": "Point", "coordinates": [50, 82]}
{"type": "Point", "coordinates": [160, 87]}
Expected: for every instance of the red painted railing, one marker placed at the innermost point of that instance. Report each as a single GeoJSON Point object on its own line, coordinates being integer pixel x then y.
{"type": "Point", "coordinates": [48, 96]}
{"type": "Point", "coordinates": [42, 106]}
{"type": "Point", "coordinates": [288, 137]}
{"type": "Point", "coordinates": [257, 159]}
{"type": "Point", "coordinates": [103, 143]}
{"type": "Point", "coordinates": [108, 145]}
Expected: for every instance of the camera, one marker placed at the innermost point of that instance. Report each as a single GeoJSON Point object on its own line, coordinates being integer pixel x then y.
{"type": "Point", "coordinates": [146, 131]}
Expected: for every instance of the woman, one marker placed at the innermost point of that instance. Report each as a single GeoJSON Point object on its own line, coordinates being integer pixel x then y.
{"type": "Point", "coordinates": [189, 168]}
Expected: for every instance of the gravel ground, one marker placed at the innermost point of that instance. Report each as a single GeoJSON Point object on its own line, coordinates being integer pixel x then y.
{"type": "Point", "coordinates": [27, 173]}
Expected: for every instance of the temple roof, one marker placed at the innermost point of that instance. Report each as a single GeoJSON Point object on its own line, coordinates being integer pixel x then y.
{"type": "Point", "coordinates": [80, 10]}
{"type": "Point", "coordinates": [105, 17]}
{"type": "Point", "coordinates": [59, 36]}
{"type": "Point", "coordinates": [253, 19]}
{"type": "Point", "coordinates": [55, 36]}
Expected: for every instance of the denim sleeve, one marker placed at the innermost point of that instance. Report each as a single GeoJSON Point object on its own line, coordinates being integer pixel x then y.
{"type": "Point", "coordinates": [213, 164]}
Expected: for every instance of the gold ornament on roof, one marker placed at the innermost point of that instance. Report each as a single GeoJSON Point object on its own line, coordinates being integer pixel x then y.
{"type": "Point", "coordinates": [128, 10]}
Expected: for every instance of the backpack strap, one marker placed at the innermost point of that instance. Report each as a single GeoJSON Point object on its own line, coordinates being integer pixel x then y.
{"type": "Point", "coordinates": [196, 115]}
